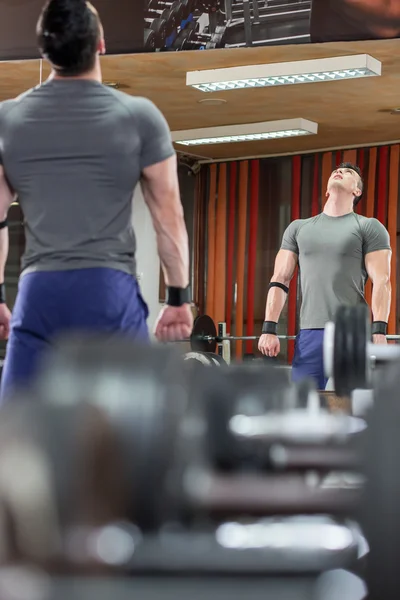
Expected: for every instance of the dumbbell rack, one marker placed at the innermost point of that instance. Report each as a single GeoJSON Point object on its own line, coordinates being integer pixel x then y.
{"type": "Point", "coordinates": [267, 22]}
{"type": "Point", "coordinates": [185, 33]}
{"type": "Point", "coordinates": [232, 23]}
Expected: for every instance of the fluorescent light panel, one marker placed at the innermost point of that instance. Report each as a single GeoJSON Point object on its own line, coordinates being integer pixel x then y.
{"type": "Point", "coordinates": [245, 133]}
{"type": "Point", "coordinates": [289, 73]}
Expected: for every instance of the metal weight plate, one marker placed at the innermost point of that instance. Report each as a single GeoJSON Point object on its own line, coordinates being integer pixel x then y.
{"type": "Point", "coordinates": [218, 360]}
{"type": "Point", "coordinates": [352, 332]}
{"type": "Point", "coordinates": [203, 327]}
{"type": "Point", "coordinates": [55, 447]}
{"type": "Point", "coordinates": [138, 387]}
{"type": "Point", "coordinates": [246, 390]}
{"type": "Point", "coordinates": [150, 39]}
{"type": "Point", "coordinates": [201, 358]}
{"type": "Point", "coordinates": [380, 510]}
{"type": "Point", "coordinates": [363, 335]}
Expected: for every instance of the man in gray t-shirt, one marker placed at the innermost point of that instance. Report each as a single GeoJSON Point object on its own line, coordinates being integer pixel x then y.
{"type": "Point", "coordinates": [72, 151]}
{"type": "Point", "coordinates": [336, 252]}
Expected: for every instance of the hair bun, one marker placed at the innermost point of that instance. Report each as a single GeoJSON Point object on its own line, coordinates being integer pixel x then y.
{"type": "Point", "coordinates": [68, 35]}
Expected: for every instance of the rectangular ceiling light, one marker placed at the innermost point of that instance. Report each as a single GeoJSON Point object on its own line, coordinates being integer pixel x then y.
{"type": "Point", "coordinates": [270, 130]}
{"type": "Point", "coordinates": [288, 73]}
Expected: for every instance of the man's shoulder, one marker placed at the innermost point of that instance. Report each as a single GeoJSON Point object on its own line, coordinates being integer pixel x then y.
{"type": "Point", "coordinates": [298, 224]}
{"type": "Point", "coordinates": [369, 223]}
{"type": "Point", "coordinates": [8, 106]}
{"type": "Point", "coordinates": [135, 104]}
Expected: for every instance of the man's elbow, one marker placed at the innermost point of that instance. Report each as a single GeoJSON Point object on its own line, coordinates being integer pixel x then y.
{"type": "Point", "coordinates": [281, 278]}
{"type": "Point", "coordinates": [382, 281]}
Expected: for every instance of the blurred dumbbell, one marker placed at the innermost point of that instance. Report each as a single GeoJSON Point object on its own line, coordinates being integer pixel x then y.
{"type": "Point", "coordinates": [159, 26]}
{"type": "Point", "coordinates": [170, 17]}
{"type": "Point", "coordinates": [188, 39]}
{"type": "Point", "coordinates": [150, 40]}
{"type": "Point", "coordinates": [174, 9]}
{"type": "Point", "coordinates": [74, 462]}
{"type": "Point", "coordinates": [185, 8]}
{"type": "Point", "coordinates": [47, 453]}
{"type": "Point", "coordinates": [114, 376]}
{"type": "Point", "coordinates": [184, 37]}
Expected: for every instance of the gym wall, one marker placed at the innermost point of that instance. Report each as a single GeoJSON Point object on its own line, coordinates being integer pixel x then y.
{"type": "Point", "coordinates": [350, 20]}
{"type": "Point", "coordinates": [122, 19]}
{"type": "Point", "coordinates": [243, 208]}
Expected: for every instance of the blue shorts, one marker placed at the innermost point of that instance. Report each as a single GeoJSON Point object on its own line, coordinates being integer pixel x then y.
{"type": "Point", "coordinates": [50, 303]}
{"type": "Point", "coordinates": [308, 357]}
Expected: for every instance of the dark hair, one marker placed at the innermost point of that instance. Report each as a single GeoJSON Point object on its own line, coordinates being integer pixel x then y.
{"type": "Point", "coordinates": [347, 165]}
{"type": "Point", "coordinates": [68, 33]}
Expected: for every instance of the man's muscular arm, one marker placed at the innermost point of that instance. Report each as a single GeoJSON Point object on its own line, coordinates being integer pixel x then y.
{"type": "Point", "coordinates": [161, 193]}
{"type": "Point", "coordinates": [6, 199]}
{"type": "Point", "coordinates": [285, 265]}
{"type": "Point", "coordinates": [378, 269]}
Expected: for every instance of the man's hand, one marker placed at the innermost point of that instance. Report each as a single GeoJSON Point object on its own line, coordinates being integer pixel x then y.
{"type": "Point", "coordinates": [174, 323]}
{"type": "Point", "coordinates": [378, 338]}
{"type": "Point", "coordinates": [5, 317]}
{"type": "Point", "coordinates": [269, 345]}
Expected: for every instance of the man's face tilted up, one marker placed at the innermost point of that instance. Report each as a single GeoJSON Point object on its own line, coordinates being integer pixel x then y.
{"type": "Point", "coordinates": [344, 180]}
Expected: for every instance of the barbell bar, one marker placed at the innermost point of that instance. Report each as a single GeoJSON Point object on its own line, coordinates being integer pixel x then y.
{"type": "Point", "coordinates": [205, 338]}
{"type": "Point", "coordinates": [234, 338]}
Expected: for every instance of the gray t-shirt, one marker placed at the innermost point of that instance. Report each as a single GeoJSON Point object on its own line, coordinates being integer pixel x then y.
{"type": "Point", "coordinates": [331, 253]}
{"type": "Point", "coordinates": [73, 151]}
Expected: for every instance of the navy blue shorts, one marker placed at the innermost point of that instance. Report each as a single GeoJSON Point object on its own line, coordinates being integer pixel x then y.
{"type": "Point", "coordinates": [50, 303]}
{"type": "Point", "coordinates": [308, 357]}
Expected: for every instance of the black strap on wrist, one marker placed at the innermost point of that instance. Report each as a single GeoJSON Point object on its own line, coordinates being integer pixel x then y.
{"type": "Point", "coordinates": [270, 328]}
{"type": "Point", "coordinates": [2, 293]}
{"type": "Point", "coordinates": [178, 296]}
{"type": "Point", "coordinates": [3, 224]}
{"type": "Point", "coordinates": [279, 285]}
{"type": "Point", "coordinates": [379, 328]}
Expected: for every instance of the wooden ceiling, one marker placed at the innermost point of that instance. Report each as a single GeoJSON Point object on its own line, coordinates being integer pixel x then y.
{"type": "Point", "coordinates": [349, 113]}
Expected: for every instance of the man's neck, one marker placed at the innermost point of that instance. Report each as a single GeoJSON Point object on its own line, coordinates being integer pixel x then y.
{"type": "Point", "coordinates": [93, 75]}
{"type": "Point", "coordinates": [338, 204]}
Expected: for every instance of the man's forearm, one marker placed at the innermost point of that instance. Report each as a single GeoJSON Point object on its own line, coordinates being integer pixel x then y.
{"type": "Point", "coordinates": [161, 195]}
{"type": "Point", "coordinates": [276, 300]}
{"type": "Point", "coordinates": [381, 299]}
{"type": "Point", "coordinates": [3, 252]}
{"type": "Point", "coordinates": [173, 249]}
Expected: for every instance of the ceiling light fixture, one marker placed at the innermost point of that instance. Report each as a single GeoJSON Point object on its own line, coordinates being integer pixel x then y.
{"type": "Point", "coordinates": [269, 130]}
{"type": "Point", "coordinates": [289, 73]}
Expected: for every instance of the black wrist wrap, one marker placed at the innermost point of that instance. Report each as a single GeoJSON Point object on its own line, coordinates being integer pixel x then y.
{"type": "Point", "coordinates": [178, 296]}
{"type": "Point", "coordinates": [269, 328]}
{"type": "Point", "coordinates": [379, 328]}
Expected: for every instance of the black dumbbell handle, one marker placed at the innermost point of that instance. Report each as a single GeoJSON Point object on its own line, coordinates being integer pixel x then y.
{"type": "Point", "coordinates": [159, 13]}
{"type": "Point", "coordinates": [193, 43]}
{"type": "Point", "coordinates": [160, 4]}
